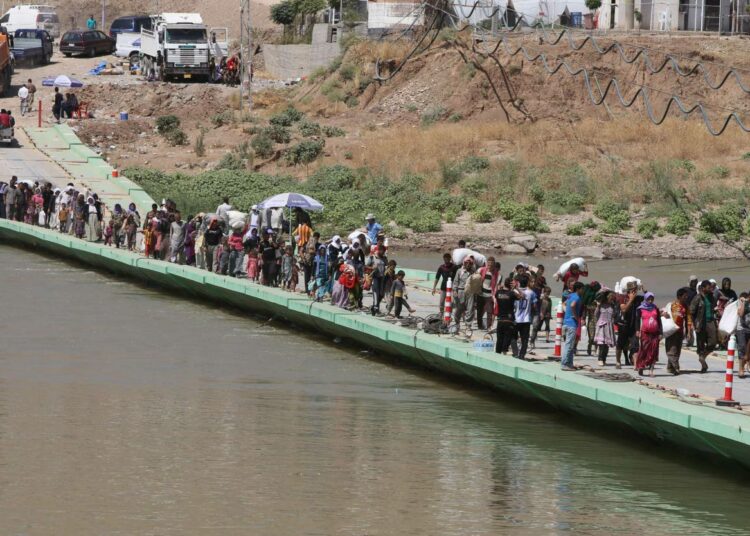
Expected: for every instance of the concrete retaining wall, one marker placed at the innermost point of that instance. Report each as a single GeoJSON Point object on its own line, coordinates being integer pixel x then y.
{"type": "Point", "coordinates": [296, 61]}
{"type": "Point", "coordinates": [720, 434]}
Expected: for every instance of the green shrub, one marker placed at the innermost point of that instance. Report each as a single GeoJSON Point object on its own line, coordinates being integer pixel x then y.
{"type": "Point", "coordinates": [304, 152]}
{"type": "Point", "coordinates": [231, 161]}
{"type": "Point", "coordinates": [589, 223]}
{"type": "Point", "coordinates": [679, 222]}
{"type": "Point", "coordinates": [451, 215]}
{"type": "Point", "coordinates": [223, 118]}
{"type": "Point", "coordinates": [432, 115]}
{"type": "Point", "coordinates": [536, 192]}
{"type": "Point", "coordinates": [352, 101]}
{"type": "Point", "coordinates": [726, 221]}
{"type": "Point", "coordinates": [278, 133]}
{"type": "Point", "coordinates": [702, 237]}
{"type": "Point", "coordinates": [348, 155]}
{"type": "Point", "coordinates": [364, 82]}
{"type": "Point", "coordinates": [427, 221]}
{"type": "Point", "coordinates": [474, 164]}
{"type": "Point", "coordinates": [611, 227]}
{"type": "Point", "coordinates": [411, 107]}
{"type": "Point", "coordinates": [746, 156]}
{"type": "Point", "coordinates": [309, 128]}
{"type": "Point", "coordinates": [508, 208]}
{"type": "Point", "coordinates": [575, 229]}
{"type": "Point", "coordinates": [287, 117]}
{"type": "Point", "coordinates": [167, 123]}
{"type": "Point", "coordinates": [335, 64]}
{"type": "Point", "coordinates": [563, 202]}
{"type": "Point", "coordinates": [348, 72]}
{"type": "Point", "coordinates": [720, 172]}
{"type": "Point", "coordinates": [483, 213]}
{"type": "Point", "coordinates": [527, 219]}
{"type": "Point", "coordinates": [647, 228]}
{"type": "Point", "coordinates": [615, 216]}
{"type": "Point", "coordinates": [449, 174]}
{"type": "Point", "coordinates": [176, 137]}
{"type": "Point", "coordinates": [333, 132]}
{"type": "Point", "coordinates": [318, 73]}
{"type": "Point", "coordinates": [686, 165]}
{"type": "Point", "coordinates": [473, 188]}
{"type": "Point", "coordinates": [200, 147]}
{"type": "Point", "coordinates": [262, 145]}
{"type": "Point", "coordinates": [455, 118]}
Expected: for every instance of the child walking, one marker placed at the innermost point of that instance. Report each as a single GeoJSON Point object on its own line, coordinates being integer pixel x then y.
{"type": "Point", "coordinates": [62, 216]}
{"type": "Point", "coordinates": [252, 264]}
{"type": "Point", "coordinates": [544, 317]}
{"type": "Point", "coordinates": [109, 231]}
{"type": "Point", "coordinates": [399, 294]}
{"type": "Point", "coordinates": [287, 265]}
{"type": "Point", "coordinates": [604, 337]}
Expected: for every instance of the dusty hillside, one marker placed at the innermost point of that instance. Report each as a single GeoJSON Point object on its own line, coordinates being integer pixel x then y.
{"type": "Point", "coordinates": [219, 13]}
{"type": "Point", "coordinates": [455, 124]}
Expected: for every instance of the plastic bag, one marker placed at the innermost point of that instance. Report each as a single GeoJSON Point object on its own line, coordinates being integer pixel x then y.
{"type": "Point", "coordinates": [564, 267]}
{"type": "Point", "coordinates": [668, 326]}
{"type": "Point", "coordinates": [459, 254]}
{"type": "Point", "coordinates": [728, 322]}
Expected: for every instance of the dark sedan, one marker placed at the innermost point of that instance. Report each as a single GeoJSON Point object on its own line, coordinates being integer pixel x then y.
{"type": "Point", "coordinates": [89, 42]}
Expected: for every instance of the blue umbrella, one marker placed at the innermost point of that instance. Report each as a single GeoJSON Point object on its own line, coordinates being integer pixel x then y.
{"type": "Point", "coordinates": [291, 200]}
{"type": "Point", "coordinates": [62, 81]}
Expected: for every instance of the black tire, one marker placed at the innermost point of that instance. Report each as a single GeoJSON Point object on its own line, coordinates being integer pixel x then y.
{"type": "Point", "coordinates": [92, 52]}
{"type": "Point", "coordinates": [133, 58]}
{"type": "Point", "coordinates": [68, 54]}
{"type": "Point", "coordinates": [46, 59]}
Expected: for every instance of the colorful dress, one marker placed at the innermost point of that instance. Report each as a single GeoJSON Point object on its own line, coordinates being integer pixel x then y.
{"type": "Point", "coordinates": [605, 325]}
{"type": "Point", "coordinates": [650, 327]}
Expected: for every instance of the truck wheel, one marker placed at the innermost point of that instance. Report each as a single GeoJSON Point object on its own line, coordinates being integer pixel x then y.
{"type": "Point", "coordinates": [68, 54]}
{"type": "Point", "coordinates": [46, 59]}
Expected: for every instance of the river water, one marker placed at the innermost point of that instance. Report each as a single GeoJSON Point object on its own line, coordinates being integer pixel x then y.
{"type": "Point", "coordinates": [124, 410]}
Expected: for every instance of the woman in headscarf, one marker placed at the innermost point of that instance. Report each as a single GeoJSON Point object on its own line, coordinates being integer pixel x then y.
{"type": "Point", "coordinates": [321, 271]}
{"type": "Point", "coordinates": [648, 320]}
{"type": "Point", "coordinates": [589, 309]}
{"type": "Point", "coordinates": [340, 293]}
{"type": "Point", "coordinates": [189, 247]}
{"type": "Point", "coordinates": [92, 220]}
{"type": "Point", "coordinates": [80, 216]}
{"type": "Point", "coordinates": [35, 207]}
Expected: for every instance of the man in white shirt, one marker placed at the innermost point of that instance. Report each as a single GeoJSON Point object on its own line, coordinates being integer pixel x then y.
{"type": "Point", "coordinates": [23, 94]}
{"type": "Point", "coordinates": [222, 213]}
{"type": "Point", "coordinates": [524, 312]}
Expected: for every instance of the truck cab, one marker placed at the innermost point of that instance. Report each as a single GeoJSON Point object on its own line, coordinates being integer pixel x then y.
{"type": "Point", "coordinates": [177, 45]}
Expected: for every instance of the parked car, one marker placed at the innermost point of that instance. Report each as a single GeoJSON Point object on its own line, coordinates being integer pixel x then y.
{"type": "Point", "coordinates": [33, 47]}
{"type": "Point", "coordinates": [89, 42]}
{"type": "Point", "coordinates": [129, 24]}
{"type": "Point", "coordinates": [39, 17]}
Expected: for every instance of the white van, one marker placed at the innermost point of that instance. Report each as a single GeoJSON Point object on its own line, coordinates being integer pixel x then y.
{"type": "Point", "coordinates": [28, 17]}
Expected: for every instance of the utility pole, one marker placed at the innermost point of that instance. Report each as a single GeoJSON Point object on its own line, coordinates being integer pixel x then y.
{"type": "Point", "coordinates": [104, 16]}
{"type": "Point", "coordinates": [246, 51]}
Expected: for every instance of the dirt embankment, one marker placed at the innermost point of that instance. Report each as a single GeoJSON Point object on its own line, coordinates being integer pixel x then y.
{"type": "Point", "coordinates": [438, 109]}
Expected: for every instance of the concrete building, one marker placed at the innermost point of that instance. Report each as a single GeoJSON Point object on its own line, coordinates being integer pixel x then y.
{"type": "Point", "coordinates": [721, 16]}
{"type": "Point", "coordinates": [384, 15]}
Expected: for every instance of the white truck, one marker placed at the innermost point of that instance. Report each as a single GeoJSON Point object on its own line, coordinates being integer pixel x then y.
{"type": "Point", "coordinates": [176, 46]}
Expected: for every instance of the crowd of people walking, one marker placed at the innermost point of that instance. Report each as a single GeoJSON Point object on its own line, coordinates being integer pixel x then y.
{"type": "Point", "coordinates": [265, 248]}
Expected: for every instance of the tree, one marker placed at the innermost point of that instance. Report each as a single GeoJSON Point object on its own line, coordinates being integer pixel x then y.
{"type": "Point", "coordinates": [593, 5]}
{"type": "Point", "coordinates": [284, 13]}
